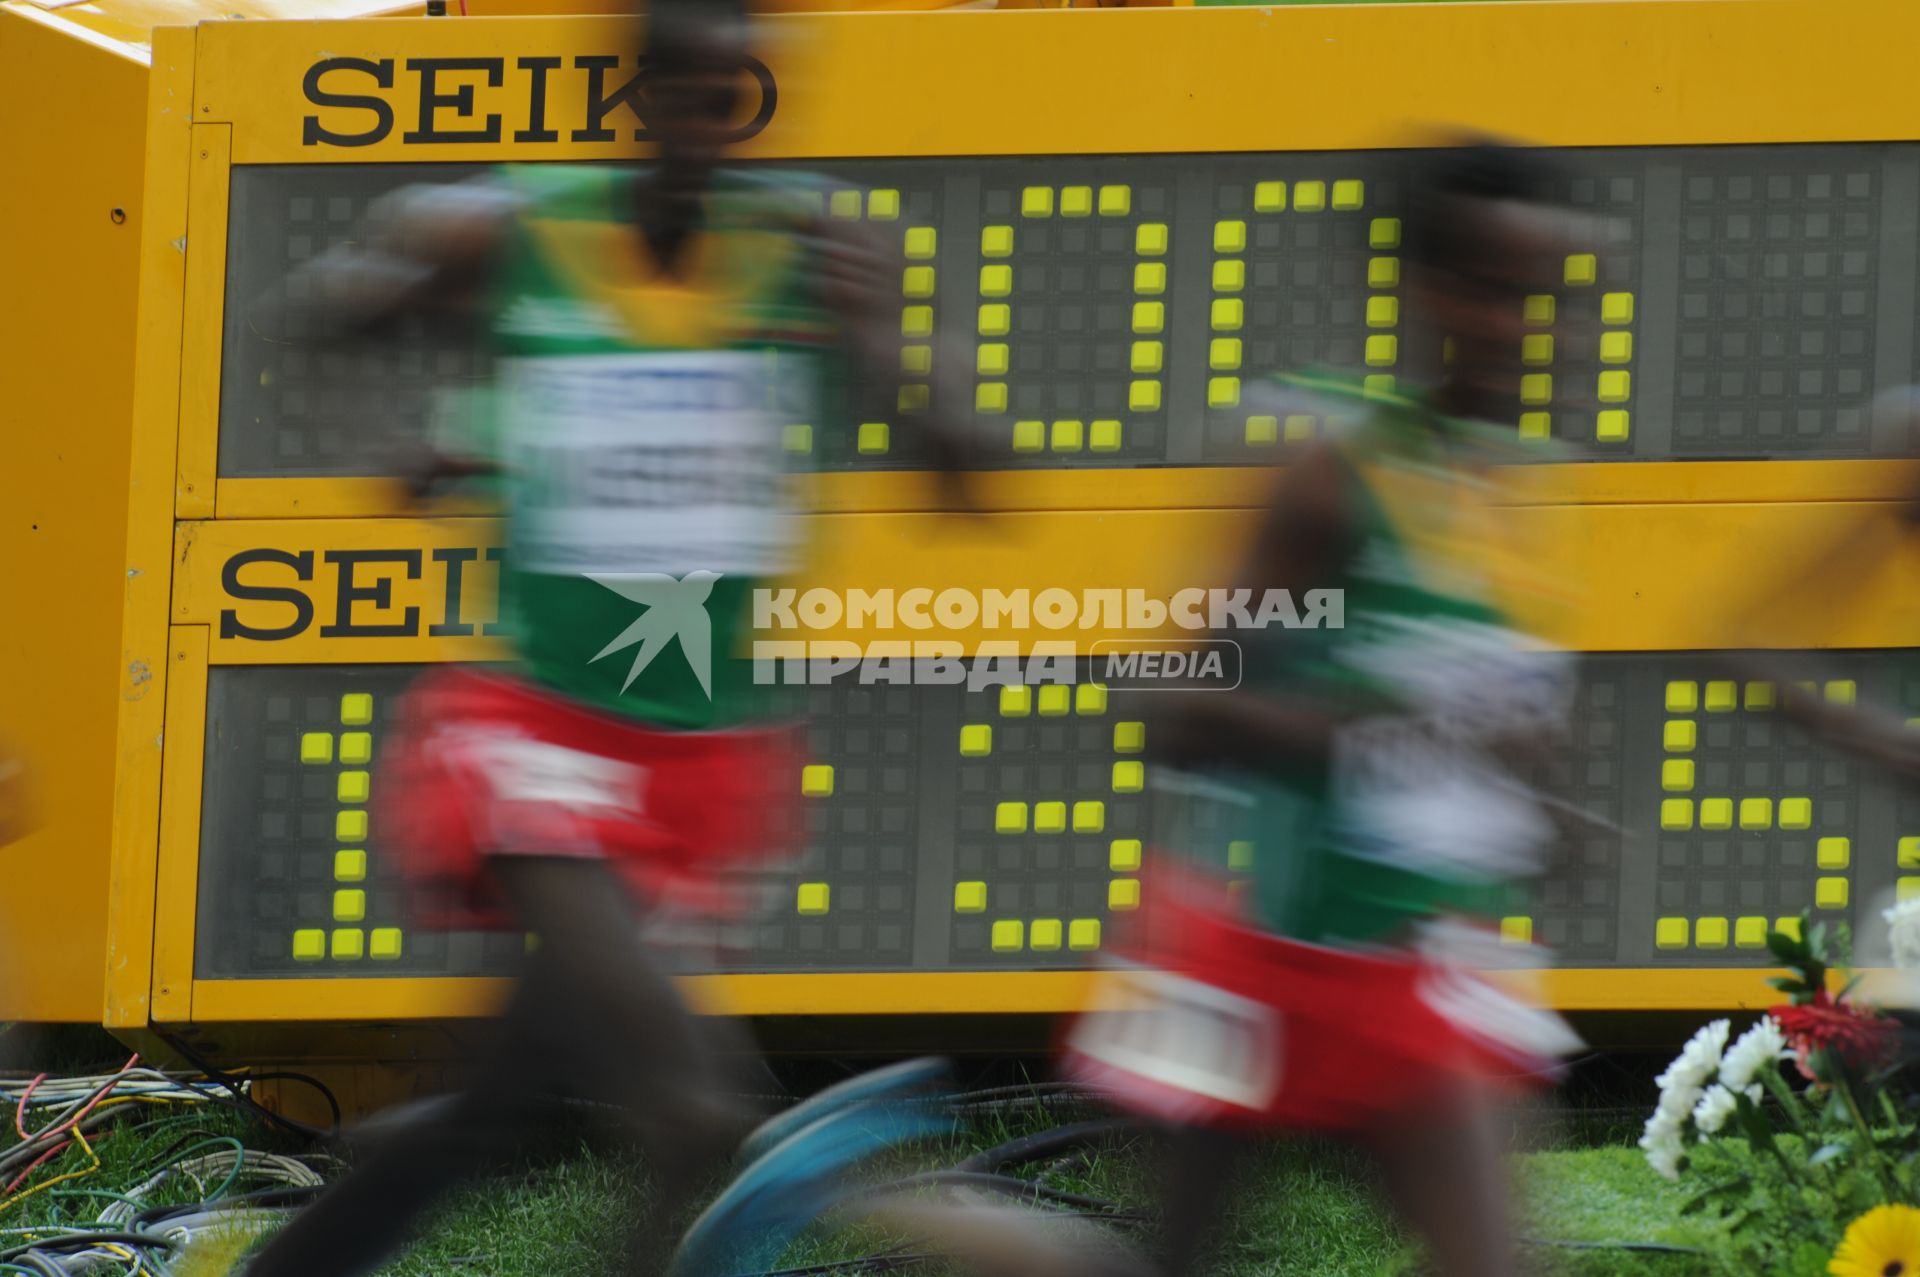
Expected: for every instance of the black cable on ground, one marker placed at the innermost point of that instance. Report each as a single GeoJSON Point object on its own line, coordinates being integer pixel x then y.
{"type": "Point", "coordinates": [1008, 1186]}
{"type": "Point", "coordinates": [1049, 1143]}
{"type": "Point", "coordinates": [85, 1238]}
{"type": "Point", "coordinates": [1657, 1248]}
{"type": "Point", "coordinates": [232, 1086]}
{"type": "Point", "coordinates": [267, 1198]}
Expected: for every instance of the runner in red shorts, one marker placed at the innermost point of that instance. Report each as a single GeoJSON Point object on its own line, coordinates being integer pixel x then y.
{"type": "Point", "coordinates": [654, 330]}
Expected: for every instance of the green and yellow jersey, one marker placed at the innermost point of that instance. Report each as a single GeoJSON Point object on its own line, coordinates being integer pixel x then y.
{"type": "Point", "coordinates": [637, 421]}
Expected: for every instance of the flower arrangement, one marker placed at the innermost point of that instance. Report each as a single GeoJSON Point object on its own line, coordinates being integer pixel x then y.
{"type": "Point", "coordinates": [1784, 1162]}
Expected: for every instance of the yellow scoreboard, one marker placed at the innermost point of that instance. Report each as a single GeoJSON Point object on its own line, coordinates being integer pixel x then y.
{"type": "Point", "coordinates": [1122, 215]}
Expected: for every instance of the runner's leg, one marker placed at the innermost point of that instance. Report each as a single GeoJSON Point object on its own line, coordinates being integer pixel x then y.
{"type": "Point", "coordinates": [1446, 1172]}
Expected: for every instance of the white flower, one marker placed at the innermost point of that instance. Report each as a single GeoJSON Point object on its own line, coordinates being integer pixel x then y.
{"type": "Point", "coordinates": [1759, 1048]}
{"type": "Point", "coordinates": [1682, 1091]}
{"type": "Point", "coordinates": [1903, 934]}
{"type": "Point", "coordinates": [1713, 1110]}
{"type": "Point", "coordinates": [1665, 1161]}
{"type": "Point", "coordinates": [1699, 1060]}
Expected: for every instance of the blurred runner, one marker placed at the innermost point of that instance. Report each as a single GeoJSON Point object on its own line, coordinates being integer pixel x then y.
{"type": "Point", "coordinates": [652, 329]}
{"type": "Point", "coordinates": [1369, 766]}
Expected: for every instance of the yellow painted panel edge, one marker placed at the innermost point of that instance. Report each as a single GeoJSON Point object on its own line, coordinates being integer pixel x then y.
{"type": "Point", "coordinates": [205, 289]}
{"type": "Point", "coordinates": [141, 678]}
{"type": "Point", "coordinates": [177, 873]}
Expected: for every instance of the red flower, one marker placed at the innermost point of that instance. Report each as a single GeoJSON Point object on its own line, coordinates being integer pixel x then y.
{"type": "Point", "coordinates": [1853, 1035]}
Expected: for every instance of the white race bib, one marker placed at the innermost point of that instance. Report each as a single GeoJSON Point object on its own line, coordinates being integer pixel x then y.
{"type": "Point", "coordinates": [647, 463]}
{"type": "Point", "coordinates": [1187, 1036]}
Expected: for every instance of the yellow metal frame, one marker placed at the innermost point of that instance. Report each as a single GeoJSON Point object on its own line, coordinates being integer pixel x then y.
{"type": "Point", "coordinates": [1753, 71]}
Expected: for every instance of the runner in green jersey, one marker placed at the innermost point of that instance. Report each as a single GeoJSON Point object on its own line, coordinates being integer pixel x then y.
{"type": "Point", "coordinates": [654, 331]}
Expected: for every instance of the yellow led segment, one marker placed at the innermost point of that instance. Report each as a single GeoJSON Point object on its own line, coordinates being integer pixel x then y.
{"type": "Point", "coordinates": [1830, 893]}
{"type": "Point", "coordinates": [1230, 237]}
{"type": "Point", "coordinates": [347, 943]}
{"type": "Point", "coordinates": [1682, 697]}
{"type": "Point", "coordinates": [816, 780]}
{"type": "Point", "coordinates": [352, 787]}
{"type": "Point", "coordinates": [1083, 934]}
{"type": "Point", "coordinates": [1377, 385]}
{"type": "Point", "coordinates": [1833, 853]}
{"type": "Point", "coordinates": [1615, 386]}
{"type": "Point", "coordinates": [1076, 201]}
{"type": "Point", "coordinates": [990, 397]}
{"type": "Point", "coordinates": [1145, 356]}
{"type": "Point", "coordinates": [976, 740]}
{"type": "Point", "coordinates": [1383, 272]}
{"type": "Point", "coordinates": [356, 709]}
{"type": "Point", "coordinates": [349, 904]}
{"type": "Point", "coordinates": [1750, 933]}
{"type": "Point", "coordinates": [1045, 934]}
{"type": "Point", "coordinates": [1536, 348]}
{"type": "Point", "coordinates": [1680, 736]}
{"type": "Point", "coordinates": [1129, 777]}
{"type": "Point", "coordinates": [1123, 855]}
{"type": "Point", "coordinates": [996, 241]}
{"type": "Point", "coordinates": [384, 943]}
{"type": "Point", "coordinates": [1298, 426]}
{"type": "Point", "coordinates": [1131, 738]}
{"type": "Point", "coordinates": [1516, 930]}
{"type": "Point", "coordinates": [1670, 933]}
{"type": "Point", "coordinates": [1841, 691]}
{"type": "Point", "coordinates": [1010, 818]}
{"type": "Point", "coordinates": [1611, 425]}
{"type": "Point", "coordinates": [1906, 889]}
{"type": "Point", "coordinates": [1759, 696]}
{"type": "Point", "coordinates": [1756, 813]}
{"type": "Point", "coordinates": [350, 826]}
{"type": "Point", "coordinates": [1536, 425]}
{"type": "Point", "coordinates": [1228, 314]}
{"type": "Point", "coordinates": [1710, 933]}
{"type": "Point", "coordinates": [1716, 813]}
{"type": "Point", "coordinates": [356, 747]}
{"type": "Point", "coordinates": [1262, 429]}
{"type": "Point", "coordinates": [1582, 268]}
{"type": "Point", "coordinates": [844, 204]}
{"type": "Point", "coordinates": [812, 898]}
{"type": "Point", "coordinates": [1383, 312]}
{"type": "Point", "coordinates": [995, 280]}
{"type": "Point", "coordinates": [1029, 436]}
{"type": "Point", "coordinates": [1068, 436]}
{"type": "Point", "coordinates": [992, 360]}
{"type": "Point", "coordinates": [1616, 348]}
{"type": "Point", "coordinates": [1055, 700]}
{"type": "Point", "coordinates": [1616, 308]}
{"type": "Point", "coordinates": [1239, 854]}
{"type": "Point", "coordinates": [1676, 775]}
{"type": "Point", "coordinates": [995, 319]}
{"type": "Point", "coordinates": [309, 944]}
{"type": "Point", "coordinates": [1722, 696]}
{"type": "Point", "coordinates": [1676, 813]}
{"type": "Point", "coordinates": [1089, 816]}
{"type": "Point", "coordinates": [316, 747]}
{"type": "Point", "coordinates": [1149, 317]}
{"type": "Point", "coordinates": [1116, 201]}
{"type": "Point", "coordinates": [1016, 701]}
{"type": "Point", "coordinates": [917, 281]}
{"type": "Point", "coordinates": [1007, 936]}
{"type": "Point", "coordinates": [1223, 392]}
{"type": "Point", "coordinates": [969, 897]}
{"type": "Point", "coordinates": [916, 321]}
{"type": "Point", "coordinates": [1150, 239]}
{"type": "Point", "coordinates": [1123, 894]}
{"type": "Point", "coordinates": [1788, 926]}
{"type": "Point", "coordinates": [1090, 698]}
{"type": "Point", "coordinates": [1536, 388]}
{"type": "Point", "coordinates": [1269, 197]}
{"type": "Point", "coordinates": [1144, 396]}
{"type": "Point", "coordinates": [1229, 276]}
{"type": "Point", "coordinates": [1036, 201]}
{"type": "Point", "coordinates": [1223, 354]}
{"type": "Point", "coordinates": [1538, 309]}
{"type": "Point", "coordinates": [1348, 194]}
{"type": "Point", "coordinates": [1382, 350]}
{"type": "Point", "coordinates": [1383, 232]}
{"type": "Point", "coordinates": [349, 865]}
{"type": "Point", "coordinates": [797, 438]}
{"type": "Point", "coordinates": [1150, 278]}
{"type": "Point", "coordinates": [922, 242]}
{"type": "Point", "coordinates": [1796, 813]}
{"type": "Point", "coordinates": [1104, 436]}
{"type": "Point", "coordinates": [1909, 852]}
{"type": "Point", "coordinates": [1309, 197]}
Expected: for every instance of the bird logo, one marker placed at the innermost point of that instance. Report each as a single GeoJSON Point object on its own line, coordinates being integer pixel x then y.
{"type": "Point", "coordinates": [676, 608]}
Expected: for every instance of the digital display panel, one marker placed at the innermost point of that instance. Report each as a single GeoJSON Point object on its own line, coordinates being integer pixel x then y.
{"type": "Point", "coordinates": [957, 828]}
{"type": "Point", "coordinates": [1731, 302]}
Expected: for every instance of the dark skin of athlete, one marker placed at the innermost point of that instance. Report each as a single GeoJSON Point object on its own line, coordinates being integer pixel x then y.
{"type": "Point", "coordinates": [594, 1016]}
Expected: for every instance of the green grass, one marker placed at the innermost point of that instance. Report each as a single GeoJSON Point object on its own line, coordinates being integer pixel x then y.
{"type": "Point", "coordinates": [1304, 1208]}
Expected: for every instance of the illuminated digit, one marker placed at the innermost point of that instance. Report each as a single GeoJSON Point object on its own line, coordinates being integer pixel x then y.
{"type": "Point", "coordinates": [350, 750]}
{"type": "Point", "coordinates": [1613, 385]}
